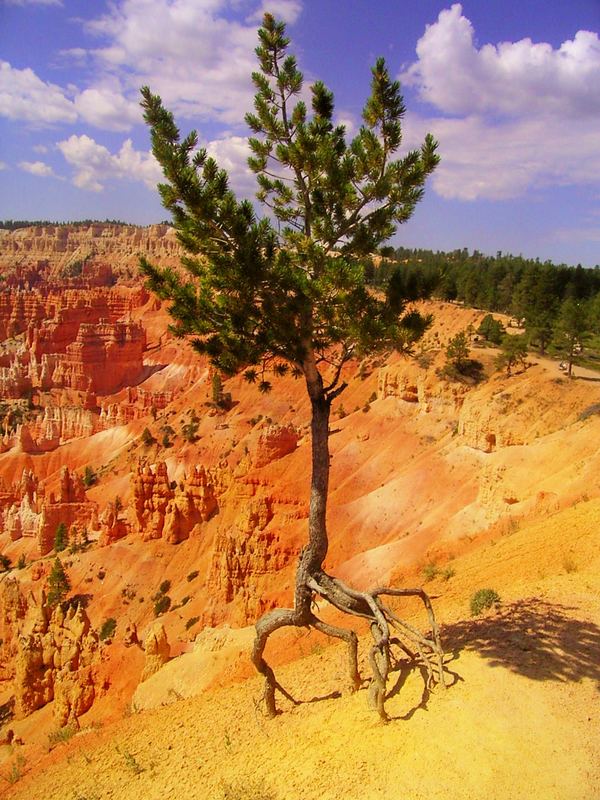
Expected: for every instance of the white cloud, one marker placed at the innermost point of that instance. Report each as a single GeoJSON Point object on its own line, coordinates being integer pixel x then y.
{"type": "Point", "coordinates": [287, 10]}
{"type": "Point", "coordinates": [498, 161]}
{"type": "Point", "coordinates": [187, 51]}
{"type": "Point", "coordinates": [107, 109]}
{"type": "Point", "coordinates": [34, 2]}
{"type": "Point", "coordinates": [40, 148]}
{"type": "Point", "coordinates": [37, 168]}
{"type": "Point", "coordinates": [516, 116]}
{"type": "Point", "coordinates": [3, 165]}
{"type": "Point", "coordinates": [24, 96]}
{"type": "Point", "coordinates": [511, 78]}
{"type": "Point", "coordinates": [94, 164]}
{"type": "Point", "coordinates": [231, 154]}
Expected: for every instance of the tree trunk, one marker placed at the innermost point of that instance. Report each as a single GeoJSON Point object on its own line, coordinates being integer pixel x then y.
{"type": "Point", "coordinates": [312, 579]}
{"type": "Point", "coordinates": [315, 552]}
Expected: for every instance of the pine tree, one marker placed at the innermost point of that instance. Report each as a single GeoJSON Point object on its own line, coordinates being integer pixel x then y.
{"type": "Point", "coordinates": [269, 297]}
{"type": "Point", "coordinates": [59, 584]}
{"type": "Point", "coordinates": [571, 331]}
{"type": "Point", "coordinates": [61, 537]}
{"type": "Point", "coordinates": [513, 352]}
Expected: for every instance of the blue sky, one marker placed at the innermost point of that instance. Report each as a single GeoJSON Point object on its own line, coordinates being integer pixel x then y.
{"type": "Point", "coordinates": [511, 89]}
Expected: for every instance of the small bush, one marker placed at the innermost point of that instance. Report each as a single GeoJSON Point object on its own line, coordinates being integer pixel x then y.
{"type": "Point", "coordinates": [447, 573]}
{"type": "Point", "coordinates": [430, 571]}
{"type": "Point", "coordinates": [61, 735]}
{"type": "Point", "coordinates": [89, 477]}
{"type": "Point", "coordinates": [193, 575]}
{"type": "Point", "coordinates": [164, 587]}
{"type": "Point", "coordinates": [162, 605]}
{"type": "Point", "coordinates": [4, 562]}
{"type": "Point", "coordinates": [107, 631]}
{"type": "Point", "coordinates": [482, 600]}
{"type": "Point", "coordinates": [21, 563]}
{"type": "Point", "coordinates": [191, 622]}
{"type": "Point", "coordinates": [147, 438]}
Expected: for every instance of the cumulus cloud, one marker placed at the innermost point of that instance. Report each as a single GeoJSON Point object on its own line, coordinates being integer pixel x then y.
{"type": "Point", "coordinates": [514, 116]}
{"type": "Point", "coordinates": [37, 168]}
{"type": "Point", "coordinates": [24, 96]}
{"type": "Point", "coordinates": [501, 161]}
{"type": "Point", "coordinates": [94, 164]}
{"type": "Point", "coordinates": [287, 10]}
{"type": "Point", "coordinates": [231, 154]}
{"type": "Point", "coordinates": [509, 78]}
{"type": "Point", "coordinates": [107, 109]}
{"type": "Point", "coordinates": [190, 53]}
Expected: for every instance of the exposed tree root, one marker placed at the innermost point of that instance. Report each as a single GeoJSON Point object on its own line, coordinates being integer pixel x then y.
{"type": "Point", "coordinates": [383, 655]}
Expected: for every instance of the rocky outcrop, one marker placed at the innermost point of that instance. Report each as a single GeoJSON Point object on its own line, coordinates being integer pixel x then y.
{"type": "Point", "coordinates": [103, 358]}
{"type": "Point", "coordinates": [275, 442]}
{"type": "Point", "coordinates": [13, 610]}
{"type": "Point", "coordinates": [171, 510]}
{"type": "Point", "coordinates": [246, 554]}
{"type": "Point", "coordinates": [27, 510]}
{"type": "Point", "coordinates": [56, 656]}
{"type": "Point", "coordinates": [112, 526]}
{"type": "Point", "coordinates": [158, 651]}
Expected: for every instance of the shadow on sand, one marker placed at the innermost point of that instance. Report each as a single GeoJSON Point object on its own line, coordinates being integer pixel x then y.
{"type": "Point", "coordinates": [543, 641]}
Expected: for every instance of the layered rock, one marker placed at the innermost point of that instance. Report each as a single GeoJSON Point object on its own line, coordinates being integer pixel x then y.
{"type": "Point", "coordinates": [246, 555]}
{"type": "Point", "coordinates": [172, 511]}
{"type": "Point", "coordinates": [55, 660]}
{"type": "Point", "coordinates": [80, 255]}
{"type": "Point", "coordinates": [157, 649]}
{"type": "Point", "coordinates": [275, 442]}
{"type": "Point", "coordinates": [28, 511]}
{"type": "Point", "coordinates": [103, 358]}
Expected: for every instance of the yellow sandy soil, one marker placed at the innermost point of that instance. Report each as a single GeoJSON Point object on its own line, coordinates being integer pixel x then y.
{"type": "Point", "coordinates": [521, 718]}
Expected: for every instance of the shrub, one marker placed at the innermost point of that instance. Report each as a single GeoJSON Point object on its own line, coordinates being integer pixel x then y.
{"type": "Point", "coordinates": [193, 575]}
{"type": "Point", "coordinates": [482, 600]}
{"type": "Point", "coordinates": [491, 329]}
{"type": "Point", "coordinates": [21, 563]}
{"type": "Point", "coordinates": [89, 477]}
{"type": "Point", "coordinates": [430, 571]}
{"type": "Point", "coordinates": [191, 622]}
{"type": "Point", "coordinates": [61, 735]}
{"type": "Point", "coordinates": [147, 438]}
{"type": "Point", "coordinates": [162, 604]}
{"type": "Point", "coordinates": [164, 587]}
{"type": "Point", "coordinates": [4, 562]}
{"type": "Point", "coordinates": [107, 631]}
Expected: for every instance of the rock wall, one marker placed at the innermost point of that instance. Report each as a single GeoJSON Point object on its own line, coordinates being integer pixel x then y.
{"type": "Point", "coordinates": [82, 255]}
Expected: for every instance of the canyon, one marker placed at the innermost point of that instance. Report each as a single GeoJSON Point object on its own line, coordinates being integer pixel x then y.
{"type": "Point", "coordinates": [184, 517]}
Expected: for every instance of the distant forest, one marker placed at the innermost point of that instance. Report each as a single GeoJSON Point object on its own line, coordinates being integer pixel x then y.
{"type": "Point", "coordinates": [15, 224]}
{"type": "Point", "coordinates": [541, 295]}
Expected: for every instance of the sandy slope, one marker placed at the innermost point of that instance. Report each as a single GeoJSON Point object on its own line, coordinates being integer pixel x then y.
{"type": "Point", "coordinates": [520, 720]}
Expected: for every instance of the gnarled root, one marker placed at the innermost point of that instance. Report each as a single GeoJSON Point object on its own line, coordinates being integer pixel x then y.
{"type": "Point", "coordinates": [427, 652]}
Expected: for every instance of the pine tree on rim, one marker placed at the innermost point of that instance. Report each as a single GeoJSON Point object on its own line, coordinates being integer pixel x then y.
{"type": "Point", "coordinates": [287, 291]}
